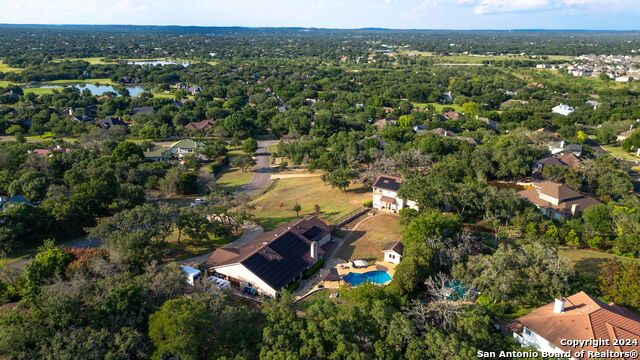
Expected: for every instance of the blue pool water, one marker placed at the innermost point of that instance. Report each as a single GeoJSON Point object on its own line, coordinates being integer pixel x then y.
{"type": "Point", "coordinates": [377, 277]}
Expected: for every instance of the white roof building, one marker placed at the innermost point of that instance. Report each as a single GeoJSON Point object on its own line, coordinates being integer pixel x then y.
{"type": "Point", "coordinates": [563, 109]}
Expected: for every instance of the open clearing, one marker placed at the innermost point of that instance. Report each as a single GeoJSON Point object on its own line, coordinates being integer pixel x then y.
{"type": "Point", "coordinates": [274, 207]}
{"type": "Point", "coordinates": [371, 236]}
{"type": "Point", "coordinates": [588, 261]}
{"type": "Point", "coordinates": [437, 106]}
{"type": "Point", "coordinates": [6, 68]}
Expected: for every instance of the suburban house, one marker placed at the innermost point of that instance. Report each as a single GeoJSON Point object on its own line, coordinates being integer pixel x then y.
{"type": "Point", "coordinates": [384, 122]}
{"type": "Point", "coordinates": [491, 124]}
{"type": "Point", "coordinates": [625, 135]}
{"type": "Point", "coordinates": [111, 121]}
{"type": "Point", "coordinates": [185, 146]}
{"type": "Point", "coordinates": [601, 327]}
{"type": "Point", "coordinates": [158, 154]}
{"type": "Point", "coordinates": [385, 194]}
{"type": "Point", "coordinates": [563, 109]}
{"type": "Point", "coordinates": [393, 252]}
{"type": "Point", "coordinates": [562, 160]}
{"type": "Point", "coordinates": [274, 259]}
{"type": "Point", "coordinates": [563, 147]}
{"type": "Point", "coordinates": [48, 152]}
{"type": "Point", "coordinates": [451, 115]}
{"type": "Point", "coordinates": [200, 125]}
{"type": "Point", "coordinates": [450, 134]}
{"type": "Point", "coordinates": [558, 201]}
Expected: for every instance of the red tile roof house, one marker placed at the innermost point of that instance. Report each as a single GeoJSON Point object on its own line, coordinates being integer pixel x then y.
{"type": "Point", "coordinates": [274, 259]}
{"type": "Point", "coordinates": [558, 201]}
{"type": "Point", "coordinates": [452, 115]}
{"type": "Point", "coordinates": [580, 323]}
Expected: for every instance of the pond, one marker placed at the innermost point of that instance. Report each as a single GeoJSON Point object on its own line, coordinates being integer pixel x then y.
{"type": "Point", "coordinates": [98, 89]}
{"type": "Point", "coordinates": [157, 62]}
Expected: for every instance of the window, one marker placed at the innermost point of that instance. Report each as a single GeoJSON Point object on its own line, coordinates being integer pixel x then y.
{"type": "Point", "coordinates": [528, 332]}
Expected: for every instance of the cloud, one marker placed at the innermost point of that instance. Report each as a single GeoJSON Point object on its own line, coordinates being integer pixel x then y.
{"type": "Point", "coordinates": [481, 7]}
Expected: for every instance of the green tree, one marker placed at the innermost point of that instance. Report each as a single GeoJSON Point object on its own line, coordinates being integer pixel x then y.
{"type": "Point", "coordinates": [244, 162]}
{"type": "Point", "coordinates": [128, 151]}
{"type": "Point", "coordinates": [296, 207]}
{"type": "Point", "coordinates": [249, 146]}
{"type": "Point", "coordinates": [180, 329]}
{"type": "Point", "coordinates": [620, 283]}
{"type": "Point", "coordinates": [430, 223]}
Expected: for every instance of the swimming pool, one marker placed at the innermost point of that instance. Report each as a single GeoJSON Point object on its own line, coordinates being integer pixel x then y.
{"type": "Point", "coordinates": [377, 277]}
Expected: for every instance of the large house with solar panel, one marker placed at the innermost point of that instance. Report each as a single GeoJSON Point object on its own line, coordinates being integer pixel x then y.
{"type": "Point", "coordinates": [274, 259]}
{"type": "Point", "coordinates": [385, 194]}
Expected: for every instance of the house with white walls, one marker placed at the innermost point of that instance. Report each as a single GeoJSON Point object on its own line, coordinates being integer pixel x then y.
{"type": "Point", "coordinates": [580, 322]}
{"type": "Point", "coordinates": [385, 194]}
{"type": "Point", "coordinates": [393, 252]}
{"type": "Point", "coordinates": [274, 259]}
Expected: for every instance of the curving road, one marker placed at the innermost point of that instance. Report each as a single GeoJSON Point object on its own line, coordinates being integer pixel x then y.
{"type": "Point", "coordinates": [262, 169]}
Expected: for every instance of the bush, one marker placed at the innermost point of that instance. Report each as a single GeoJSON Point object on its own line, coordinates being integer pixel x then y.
{"type": "Point", "coordinates": [293, 286]}
{"type": "Point", "coordinates": [313, 269]}
{"type": "Point", "coordinates": [368, 203]}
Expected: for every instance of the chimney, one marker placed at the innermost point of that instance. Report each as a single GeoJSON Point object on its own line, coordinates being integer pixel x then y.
{"type": "Point", "coordinates": [562, 144]}
{"type": "Point", "coordinates": [314, 250]}
{"type": "Point", "coordinates": [558, 306]}
{"type": "Point", "coordinates": [574, 209]}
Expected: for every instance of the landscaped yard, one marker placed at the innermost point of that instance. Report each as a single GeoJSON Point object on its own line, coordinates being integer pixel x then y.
{"type": "Point", "coordinates": [371, 236]}
{"type": "Point", "coordinates": [275, 207]}
{"type": "Point", "coordinates": [588, 261]}
{"type": "Point", "coordinates": [618, 152]}
{"type": "Point", "coordinates": [437, 106]}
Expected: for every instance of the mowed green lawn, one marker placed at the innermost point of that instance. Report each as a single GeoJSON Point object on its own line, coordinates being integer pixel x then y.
{"type": "Point", "coordinates": [233, 178]}
{"type": "Point", "coordinates": [618, 152]}
{"type": "Point", "coordinates": [588, 261]}
{"type": "Point", "coordinates": [371, 236]}
{"type": "Point", "coordinates": [41, 91]}
{"type": "Point", "coordinates": [437, 106]}
{"type": "Point", "coordinates": [101, 81]}
{"type": "Point", "coordinates": [275, 207]}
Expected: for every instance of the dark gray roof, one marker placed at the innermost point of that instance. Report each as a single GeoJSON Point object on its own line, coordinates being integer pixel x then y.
{"type": "Point", "coordinates": [388, 182]}
{"type": "Point", "coordinates": [281, 261]}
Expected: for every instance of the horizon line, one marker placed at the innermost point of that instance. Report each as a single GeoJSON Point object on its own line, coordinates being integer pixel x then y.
{"type": "Point", "coordinates": [321, 28]}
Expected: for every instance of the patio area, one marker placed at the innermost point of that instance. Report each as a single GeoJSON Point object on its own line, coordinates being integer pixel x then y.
{"type": "Point", "coordinates": [330, 277]}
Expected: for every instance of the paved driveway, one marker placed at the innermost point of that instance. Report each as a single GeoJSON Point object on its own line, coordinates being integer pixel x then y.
{"type": "Point", "coordinates": [262, 169]}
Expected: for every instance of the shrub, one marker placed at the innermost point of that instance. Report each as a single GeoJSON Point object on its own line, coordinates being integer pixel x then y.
{"type": "Point", "coordinates": [368, 203]}
{"type": "Point", "coordinates": [313, 269]}
{"type": "Point", "coordinates": [293, 286]}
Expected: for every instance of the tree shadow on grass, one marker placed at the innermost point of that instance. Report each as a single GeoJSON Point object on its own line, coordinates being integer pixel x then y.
{"type": "Point", "coordinates": [346, 251]}
{"type": "Point", "coordinates": [589, 265]}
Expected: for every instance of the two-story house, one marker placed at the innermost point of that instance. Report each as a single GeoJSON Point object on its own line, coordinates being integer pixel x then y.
{"type": "Point", "coordinates": [385, 194]}
{"type": "Point", "coordinates": [558, 201]}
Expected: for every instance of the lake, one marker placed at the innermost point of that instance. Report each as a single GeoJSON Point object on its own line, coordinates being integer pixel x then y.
{"type": "Point", "coordinates": [98, 89]}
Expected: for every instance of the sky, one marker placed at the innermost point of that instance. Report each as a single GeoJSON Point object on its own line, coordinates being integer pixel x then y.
{"type": "Point", "coordinates": [396, 14]}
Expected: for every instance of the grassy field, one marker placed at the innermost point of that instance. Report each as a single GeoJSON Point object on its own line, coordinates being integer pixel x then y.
{"type": "Point", "coordinates": [41, 91]}
{"type": "Point", "coordinates": [437, 106]}
{"type": "Point", "coordinates": [274, 207]}
{"type": "Point", "coordinates": [588, 261]}
{"type": "Point", "coordinates": [233, 179]}
{"type": "Point", "coordinates": [371, 237]}
{"type": "Point", "coordinates": [6, 68]}
{"type": "Point", "coordinates": [618, 152]}
{"type": "Point", "coordinates": [187, 249]}
{"type": "Point", "coordinates": [103, 81]}
{"type": "Point", "coordinates": [304, 305]}
{"type": "Point", "coordinates": [5, 83]}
